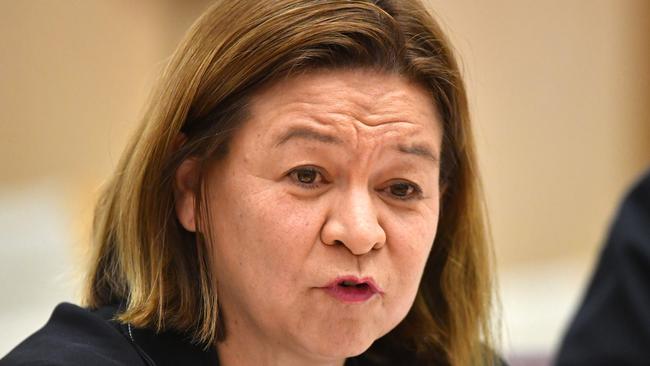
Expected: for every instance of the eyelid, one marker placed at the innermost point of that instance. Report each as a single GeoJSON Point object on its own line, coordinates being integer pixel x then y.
{"type": "Point", "coordinates": [417, 194]}
{"type": "Point", "coordinates": [313, 168]}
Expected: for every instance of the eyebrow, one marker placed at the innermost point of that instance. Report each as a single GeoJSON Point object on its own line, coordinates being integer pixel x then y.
{"type": "Point", "coordinates": [307, 134]}
{"type": "Point", "coordinates": [420, 150]}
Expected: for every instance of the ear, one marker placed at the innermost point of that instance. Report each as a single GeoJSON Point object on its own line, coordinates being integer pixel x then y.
{"type": "Point", "coordinates": [185, 184]}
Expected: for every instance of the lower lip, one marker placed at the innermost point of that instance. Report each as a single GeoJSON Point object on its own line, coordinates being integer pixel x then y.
{"type": "Point", "coordinates": [350, 294]}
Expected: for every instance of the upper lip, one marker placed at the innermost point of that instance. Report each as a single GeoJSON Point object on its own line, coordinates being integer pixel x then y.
{"type": "Point", "coordinates": [356, 280]}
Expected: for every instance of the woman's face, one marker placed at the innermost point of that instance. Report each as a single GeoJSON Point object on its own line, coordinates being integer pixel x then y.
{"type": "Point", "coordinates": [324, 212]}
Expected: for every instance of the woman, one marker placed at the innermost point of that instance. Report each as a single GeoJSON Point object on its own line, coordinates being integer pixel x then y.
{"type": "Point", "coordinates": [302, 190]}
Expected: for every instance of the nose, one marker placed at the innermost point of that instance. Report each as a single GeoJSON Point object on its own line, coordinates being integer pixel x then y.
{"type": "Point", "coordinates": [353, 222]}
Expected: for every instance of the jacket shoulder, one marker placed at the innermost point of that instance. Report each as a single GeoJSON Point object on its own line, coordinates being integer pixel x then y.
{"type": "Point", "coordinates": [74, 336]}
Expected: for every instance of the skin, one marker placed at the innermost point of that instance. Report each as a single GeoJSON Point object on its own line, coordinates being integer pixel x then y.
{"type": "Point", "coordinates": [292, 212]}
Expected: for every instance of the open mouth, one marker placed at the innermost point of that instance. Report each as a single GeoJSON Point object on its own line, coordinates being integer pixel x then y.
{"type": "Point", "coordinates": [351, 284]}
{"type": "Point", "coordinates": [353, 290]}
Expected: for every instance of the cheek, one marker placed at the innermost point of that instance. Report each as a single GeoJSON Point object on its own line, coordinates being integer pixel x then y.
{"type": "Point", "coordinates": [412, 242]}
{"type": "Point", "coordinates": [291, 227]}
{"type": "Point", "coordinates": [270, 233]}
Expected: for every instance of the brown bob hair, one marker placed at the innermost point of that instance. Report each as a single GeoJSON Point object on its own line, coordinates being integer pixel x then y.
{"type": "Point", "coordinates": [142, 257]}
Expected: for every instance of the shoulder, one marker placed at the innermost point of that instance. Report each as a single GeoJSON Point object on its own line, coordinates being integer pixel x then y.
{"type": "Point", "coordinates": [626, 253]}
{"type": "Point", "coordinates": [634, 213]}
{"type": "Point", "coordinates": [611, 325]}
{"type": "Point", "coordinates": [75, 336]}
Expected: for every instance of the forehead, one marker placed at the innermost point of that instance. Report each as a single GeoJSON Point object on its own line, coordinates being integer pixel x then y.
{"type": "Point", "coordinates": [346, 103]}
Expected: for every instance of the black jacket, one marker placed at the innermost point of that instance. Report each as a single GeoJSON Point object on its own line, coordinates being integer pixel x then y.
{"type": "Point", "coordinates": [75, 336]}
{"type": "Point", "coordinates": [612, 326]}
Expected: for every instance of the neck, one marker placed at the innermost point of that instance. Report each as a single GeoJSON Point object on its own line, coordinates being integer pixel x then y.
{"type": "Point", "coordinates": [246, 348]}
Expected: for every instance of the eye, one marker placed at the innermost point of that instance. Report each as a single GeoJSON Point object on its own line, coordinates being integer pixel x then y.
{"type": "Point", "coordinates": [404, 191]}
{"type": "Point", "coordinates": [307, 176]}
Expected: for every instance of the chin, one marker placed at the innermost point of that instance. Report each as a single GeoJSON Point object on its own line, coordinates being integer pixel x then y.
{"type": "Point", "coordinates": [342, 344]}
{"type": "Point", "coordinates": [341, 351]}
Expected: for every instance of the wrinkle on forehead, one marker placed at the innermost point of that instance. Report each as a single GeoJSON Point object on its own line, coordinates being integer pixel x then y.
{"type": "Point", "coordinates": [374, 106]}
{"type": "Point", "coordinates": [361, 106]}
{"type": "Point", "coordinates": [371, 104]}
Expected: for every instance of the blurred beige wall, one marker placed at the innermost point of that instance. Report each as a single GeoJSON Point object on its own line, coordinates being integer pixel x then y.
{"type": "Point", "coordinates": [559, 92]}
{"type": "Point", "coordinates": [74, 75]}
